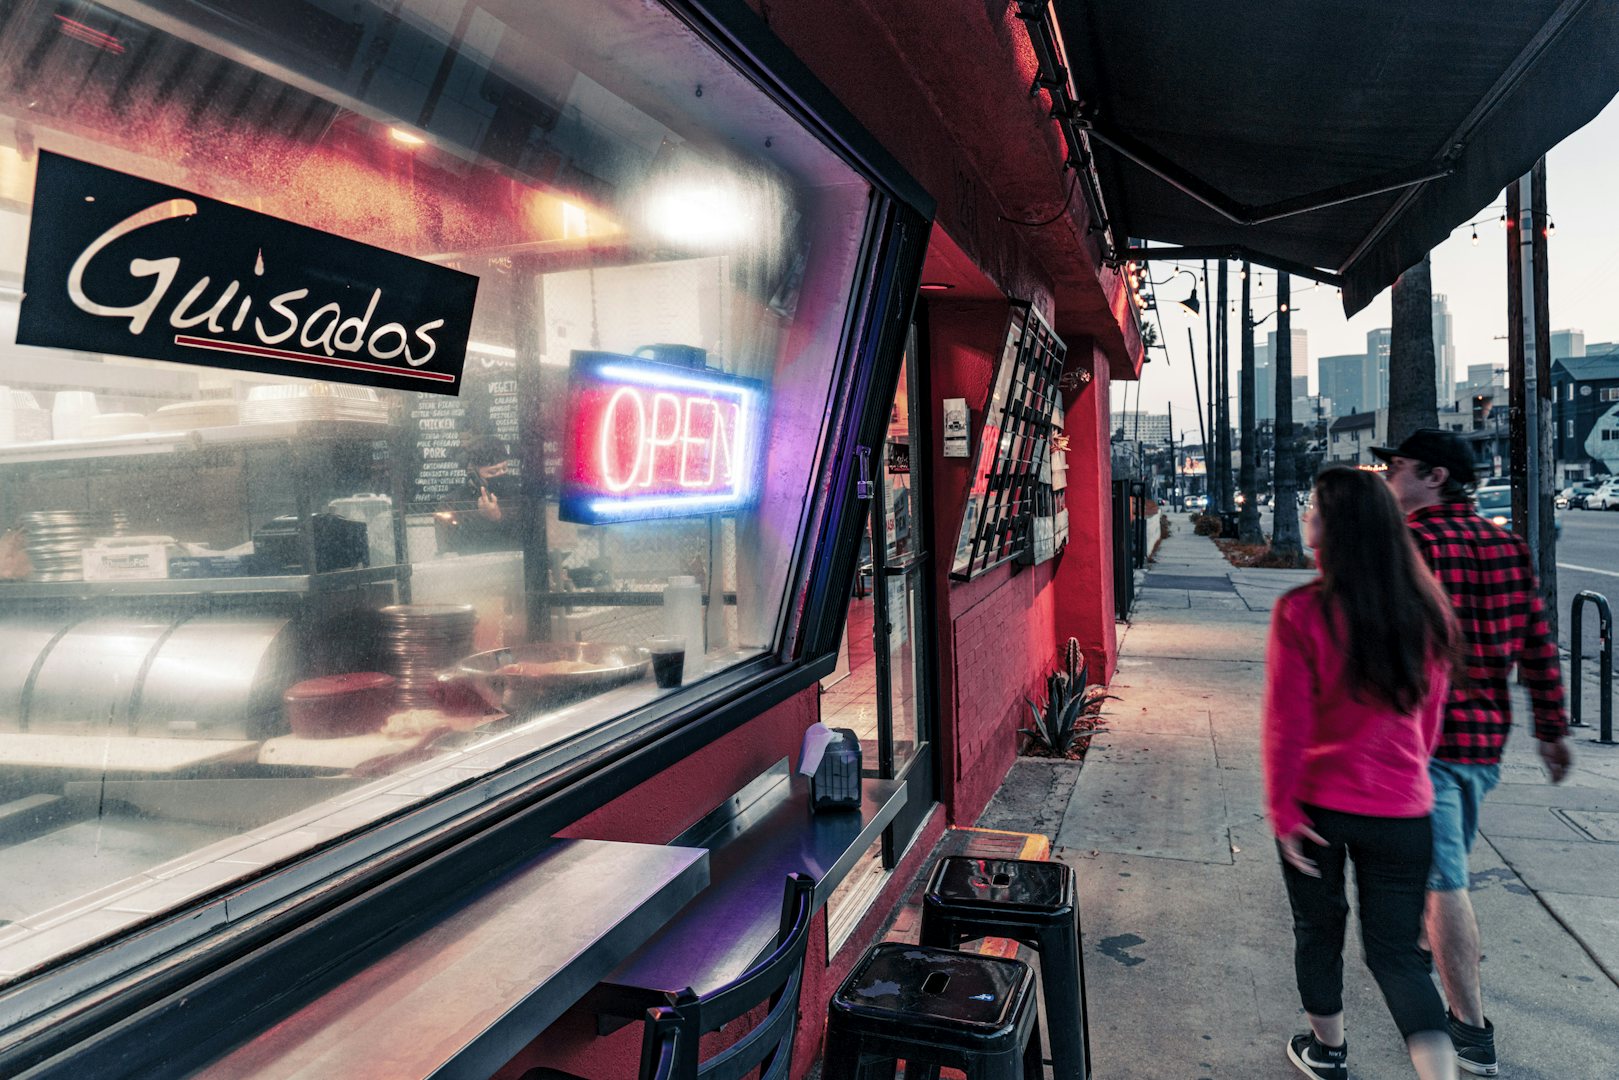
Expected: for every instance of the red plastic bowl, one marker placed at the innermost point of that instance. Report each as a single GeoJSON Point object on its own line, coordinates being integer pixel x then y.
{"type": "Point", "coordinates": [336, 705]}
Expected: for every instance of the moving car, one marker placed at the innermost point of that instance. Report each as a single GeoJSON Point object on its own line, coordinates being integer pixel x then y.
{"type": "Point", "coordinates": [1495, 504]}
{"type": "Point", "coordinates": [1197, 503]}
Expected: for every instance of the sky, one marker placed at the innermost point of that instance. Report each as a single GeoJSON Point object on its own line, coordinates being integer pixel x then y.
{"type": "Point", "coordinates": [1583, 266]}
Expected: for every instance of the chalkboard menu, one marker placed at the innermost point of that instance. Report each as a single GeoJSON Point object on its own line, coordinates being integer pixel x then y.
{"type": "Point", "coordinates": [442, 427]}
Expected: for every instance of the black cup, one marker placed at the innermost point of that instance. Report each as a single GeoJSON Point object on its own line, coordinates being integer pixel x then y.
{"type": "Point", "coordinates": [668, 660]}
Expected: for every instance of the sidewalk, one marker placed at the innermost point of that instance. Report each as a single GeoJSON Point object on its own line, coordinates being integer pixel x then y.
{"type": "Point", "coordinates": [1187, 934]}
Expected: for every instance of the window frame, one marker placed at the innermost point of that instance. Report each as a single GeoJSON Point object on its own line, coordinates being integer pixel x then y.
{"type": "Point", "coordinates": [163, 994]}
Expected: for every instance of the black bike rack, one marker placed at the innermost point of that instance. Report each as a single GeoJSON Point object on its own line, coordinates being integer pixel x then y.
{"type": "Point", "coordinates": [1576, 649]}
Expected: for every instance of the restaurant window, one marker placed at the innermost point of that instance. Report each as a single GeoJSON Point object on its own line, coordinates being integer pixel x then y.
{"type": "Point", "coordinates": [244, 612]}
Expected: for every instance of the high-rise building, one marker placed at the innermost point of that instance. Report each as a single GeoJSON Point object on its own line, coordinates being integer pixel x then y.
{"type": "Point", "coordinates": [1568, 344]}
{"type": "Point", "coordinates": [1444, 352]}
{"type": "Point", "coordinates": [1377, 368]}
{"type": "Point", "coordinates": [1265, 371]}
{"type": "Point", "coordinates": [1150, 428]}
{"type": "Point", "coordinates": [1342, 378]}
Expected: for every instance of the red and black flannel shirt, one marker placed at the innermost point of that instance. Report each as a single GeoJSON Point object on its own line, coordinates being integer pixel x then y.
{"type": "Point", "coordinates": [1491, 582]}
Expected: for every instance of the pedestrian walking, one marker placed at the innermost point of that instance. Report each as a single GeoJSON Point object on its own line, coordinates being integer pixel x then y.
{"type": "Point", "coordinates": [1491, 583]}
{"type": "Point", "coordinates": [1357, 668]}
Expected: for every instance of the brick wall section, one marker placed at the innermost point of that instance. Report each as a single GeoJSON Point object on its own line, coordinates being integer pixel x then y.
{"type": "Point", "coordinates": [1003, 645]}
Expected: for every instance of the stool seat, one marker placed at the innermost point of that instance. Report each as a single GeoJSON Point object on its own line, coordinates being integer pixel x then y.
{"type": "Point", "coordinates": [958, 998]}
{"type": "Point", "coordinates": [932, 1008]}
{"type": "Point", "coordinates": [1006, 886]}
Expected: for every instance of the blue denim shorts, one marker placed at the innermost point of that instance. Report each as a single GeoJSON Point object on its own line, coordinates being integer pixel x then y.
{"type": "Point", "coordinates": [1458, 796]}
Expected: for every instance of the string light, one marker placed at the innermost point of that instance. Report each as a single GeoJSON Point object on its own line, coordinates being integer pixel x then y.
{"type": "Point", "coordinates": [1475, 236]}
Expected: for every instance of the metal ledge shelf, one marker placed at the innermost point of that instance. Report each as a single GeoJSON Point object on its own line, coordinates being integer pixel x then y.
{"type": "Point", "coordinates": [152, 443]}
{"type": "Point", "coordinates": [331, 581]}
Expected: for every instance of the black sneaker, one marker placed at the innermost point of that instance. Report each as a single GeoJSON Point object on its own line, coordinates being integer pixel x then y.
{"type": "Point", "coordinates": [1313, 1059]}
{"type": "Point", "coordinates": [1475, 1047]}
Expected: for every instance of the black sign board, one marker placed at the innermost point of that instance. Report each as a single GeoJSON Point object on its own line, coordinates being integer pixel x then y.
{"type": "Point", "coordinates": [441, 430]}
{"type": "Point", "coordinates": [126, 266]}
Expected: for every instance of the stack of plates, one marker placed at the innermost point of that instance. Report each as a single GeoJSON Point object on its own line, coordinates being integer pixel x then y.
{"type": "Point", "coordinates": [285, 402]}
{"type": "Point", "coordinates": [57, 539]}
{"type": "Point", "coordinates": [116, 423]}
{"type": "Point", "coordinates": [190, 415]}
{"type": "Point", "coordinates": [419, 641]}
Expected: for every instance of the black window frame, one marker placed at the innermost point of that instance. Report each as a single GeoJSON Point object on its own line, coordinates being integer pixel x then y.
{"type": "Point", "coordinates": [156, 1012]}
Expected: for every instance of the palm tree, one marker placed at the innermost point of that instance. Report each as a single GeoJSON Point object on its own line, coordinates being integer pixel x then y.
{"type": "Point", "coordinates": [1285, 539]}
{"type": "Point", "coordinates": [1413, 394]}
{"type": "Point", "coordinates": [1248, 530]}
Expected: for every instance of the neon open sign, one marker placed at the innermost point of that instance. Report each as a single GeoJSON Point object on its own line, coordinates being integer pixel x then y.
{"type": "Point", "coordinates": [650, 440]}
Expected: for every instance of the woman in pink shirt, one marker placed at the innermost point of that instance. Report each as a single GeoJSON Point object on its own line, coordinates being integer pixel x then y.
{"type": "Point", "coordinates": [1357, 669]}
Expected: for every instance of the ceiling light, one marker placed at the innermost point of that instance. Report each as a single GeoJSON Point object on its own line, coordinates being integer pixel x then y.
{"type": "Point", "coordinates": [406, 138]}
{"type": "Point", "coordinates": [935, 286]}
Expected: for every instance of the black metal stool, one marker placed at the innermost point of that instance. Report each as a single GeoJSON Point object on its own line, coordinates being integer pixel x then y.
{"type": "Point", "coordinates": [1035, 904]}
{"type": "Point", "coordinates": [933, 1008]}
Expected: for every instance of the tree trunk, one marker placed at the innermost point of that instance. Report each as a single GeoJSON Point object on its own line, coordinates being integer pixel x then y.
{"type": "Point", "coordinates": [1248, 530]}
{"type": "Point", "coordinates": [1285, 539]}
{"type": "Point", "coordinates": [1223, 343]}
{"type": "Point", "coordinates": [1413, 391]}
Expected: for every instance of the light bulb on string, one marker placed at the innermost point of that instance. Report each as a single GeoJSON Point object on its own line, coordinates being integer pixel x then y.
{"type": "Point", "coordinates": [1475, 236]}
{"type": "Point", "coordinates": [1551, 227]}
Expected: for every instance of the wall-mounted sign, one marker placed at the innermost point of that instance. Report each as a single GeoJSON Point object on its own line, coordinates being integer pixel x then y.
{"type": "Point", "coordinates": [121, 265]}
{"type": "Point", "coordinates": [651, 440]}
{"type": "Point", "coordinates": [956, 425]}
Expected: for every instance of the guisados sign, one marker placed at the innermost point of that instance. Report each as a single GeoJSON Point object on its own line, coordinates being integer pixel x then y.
{"type": "Point", "coordinates": [126, 266]}
{"type": "Point", "coordinates": [651, 440]}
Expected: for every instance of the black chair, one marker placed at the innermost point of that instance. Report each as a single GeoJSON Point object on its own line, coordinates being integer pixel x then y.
{"type": "Point", "coordinates": [932, 1009]}
{"type": "Point", "coordinates": [1035, 904]}
{"type": "Point", "coordinates": [660, 1045]}
{"type": "Point", "coordinates": [769, 1046]}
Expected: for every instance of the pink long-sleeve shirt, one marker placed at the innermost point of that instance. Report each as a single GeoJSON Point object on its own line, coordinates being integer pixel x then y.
{"type": "Point", "coordinates": [1321, 745]}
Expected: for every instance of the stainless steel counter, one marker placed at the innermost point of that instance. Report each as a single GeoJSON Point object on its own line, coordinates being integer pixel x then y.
{"type": "Point", "coordinates": [466, 994]}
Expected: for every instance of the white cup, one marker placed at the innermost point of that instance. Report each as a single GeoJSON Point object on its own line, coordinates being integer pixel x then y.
{"type": "Point", "coordinates": [69, 411]}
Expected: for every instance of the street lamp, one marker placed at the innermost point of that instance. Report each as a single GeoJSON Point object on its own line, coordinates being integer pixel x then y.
{"type": "Point", "coordinates": [1191, 303]}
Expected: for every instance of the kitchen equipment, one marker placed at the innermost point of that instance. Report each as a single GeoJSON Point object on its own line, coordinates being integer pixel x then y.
{"type": "Point", "coordinates": [69, 412]}
{"type": "Point", "coordinates": [336, 705]}
{"type": "Point", "coordinates": [313, 401]}
{"type": "Point", "coordinates": [376, 513]}
{"type": "Point", "coordinates": [339, 544]}
{"type": "Point", "coordinates": [546, 675]}
{"type": "Point", "coordinates": [23, 640]}
{"type": "Point", "coordinates": [87, 682]}
{"type": "Point", "coordinates": [218, 676]}
{"type": "Point", "coordinates": [419, 640]}
{"type": "Point", "coordinates": [128, 558]}
{"type": "Point", "coordinates": [57, 539]}
{"type": "Point", "coordinates": [191, 415]}
{"type": "Point", "coordinates": [491, 581]}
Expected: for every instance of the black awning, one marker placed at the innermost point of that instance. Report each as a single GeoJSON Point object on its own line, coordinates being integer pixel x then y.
{"type": "Point", "coordinates": [1265, 108]}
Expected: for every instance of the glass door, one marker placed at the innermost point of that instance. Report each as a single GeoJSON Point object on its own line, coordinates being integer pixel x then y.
{"type": "Point", "coordinates": [902, 625]}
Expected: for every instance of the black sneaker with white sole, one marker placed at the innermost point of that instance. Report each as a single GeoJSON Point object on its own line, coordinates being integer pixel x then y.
{"type": "Point", "coordinates": [1313, 1059]}
{"type": "Point", "coordinates": [1475, 1047]}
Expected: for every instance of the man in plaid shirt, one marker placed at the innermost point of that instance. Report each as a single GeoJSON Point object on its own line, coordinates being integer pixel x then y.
{"type": "Point", "coordinates": [1491, 582]}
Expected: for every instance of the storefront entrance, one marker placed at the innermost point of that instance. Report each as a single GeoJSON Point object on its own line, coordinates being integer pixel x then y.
{"type": "Point", "coordinates": [882, 689]}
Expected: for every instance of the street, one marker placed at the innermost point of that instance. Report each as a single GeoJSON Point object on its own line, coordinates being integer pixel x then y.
{"type": "Point", "coordinates": [1587, 558]}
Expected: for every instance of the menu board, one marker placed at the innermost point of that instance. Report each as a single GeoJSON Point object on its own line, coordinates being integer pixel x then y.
{"type": "Point", "coordinates": [442, 427]}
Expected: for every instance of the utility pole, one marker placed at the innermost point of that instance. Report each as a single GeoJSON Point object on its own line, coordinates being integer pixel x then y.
{"type": "Point", "coordinates": [1529, 378]}
{"type": "Point", "coordinates": [1191, 352]}
{"type": "Point", "coordinates": [1248, 530]}
{"type": "Point", "coordinates": [1174, 471]}
{"type": "Point", "coordinates": [1210, 451]}
{"type": "Point", "coordinates": [1223, 371]}
{"type": "Point", "coordinates": [1284, 507]}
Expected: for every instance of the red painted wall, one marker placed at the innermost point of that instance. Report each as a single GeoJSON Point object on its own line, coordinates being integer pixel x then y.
{"type": "Point", "coordinates": [1084, 572]}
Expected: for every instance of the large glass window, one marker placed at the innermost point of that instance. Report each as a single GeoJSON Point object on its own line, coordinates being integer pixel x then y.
{"type": "Point", "coordinates": [244, 614]}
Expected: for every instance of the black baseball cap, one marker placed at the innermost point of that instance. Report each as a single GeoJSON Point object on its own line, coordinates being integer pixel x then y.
{"type": "Point", "coordinates": [1434, 447]}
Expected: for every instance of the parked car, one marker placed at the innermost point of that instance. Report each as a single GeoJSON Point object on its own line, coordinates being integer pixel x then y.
{"type": "Point", "coordinates": [1605, 497]}
{"type": "Point", "coordinates": [1580, 492]}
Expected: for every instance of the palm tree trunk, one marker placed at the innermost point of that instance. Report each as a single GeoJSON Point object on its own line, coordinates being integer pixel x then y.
{"type": "Point", "coordinates": [1248, 530]}
{"type": "Point", "coordinates": [1413, 393]}
{"type": "Point", "coordinates": [1285, 539]}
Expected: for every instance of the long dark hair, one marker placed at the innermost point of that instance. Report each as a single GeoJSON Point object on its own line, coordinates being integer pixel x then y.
{"type": "Point", "coordinates": [1393, 610]}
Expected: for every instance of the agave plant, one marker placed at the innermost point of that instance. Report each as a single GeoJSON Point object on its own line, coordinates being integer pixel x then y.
{"type": "Point", "coordinates": [1058, 724]}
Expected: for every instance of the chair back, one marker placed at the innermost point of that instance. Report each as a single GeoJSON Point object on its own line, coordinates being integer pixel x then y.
{"type": "Point", "coordinates": [660, 1045]}
{"type": "Point", "coordinates": [776, 979]}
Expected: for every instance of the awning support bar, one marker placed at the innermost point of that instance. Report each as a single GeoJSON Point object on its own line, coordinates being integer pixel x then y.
{"type": "Point", "coordinates": [1242, 213]}
{"type": "Point", "coordinates": [1235, 253]}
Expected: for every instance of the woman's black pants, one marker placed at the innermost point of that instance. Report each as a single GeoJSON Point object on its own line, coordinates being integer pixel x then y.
{"type": "Point", "coordinates": [1391, 873]}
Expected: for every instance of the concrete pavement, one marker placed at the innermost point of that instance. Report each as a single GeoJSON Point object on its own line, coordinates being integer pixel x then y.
{"type": "Point", "coordinates": [1187, 934]}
